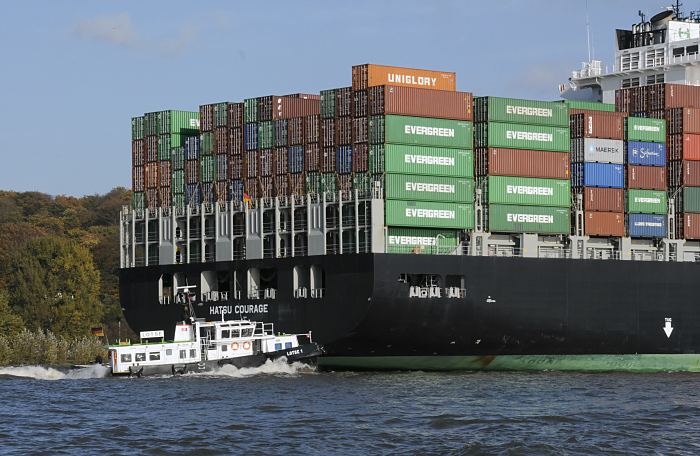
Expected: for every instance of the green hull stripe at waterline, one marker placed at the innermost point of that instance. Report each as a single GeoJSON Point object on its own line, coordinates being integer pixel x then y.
{"type": "Point", "coordinates": [582, 363]}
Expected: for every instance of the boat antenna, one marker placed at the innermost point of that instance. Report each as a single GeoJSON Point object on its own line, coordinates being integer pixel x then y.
{"type": "Point", "coordinates": [588, 33]}
{"type": "Point", "coordinates": [677, 9]}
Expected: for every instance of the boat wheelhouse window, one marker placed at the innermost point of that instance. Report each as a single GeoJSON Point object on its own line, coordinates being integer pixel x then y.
{"type": "Point", "coordinates": [677, 52]}
{"type": "Point", "coordinates": [235, 333]}
{"type": "Point", "coordinates": [690, 50]}
{"type": "Point", "coordinates": [278, 346]}
{"type": "Point", "coordinates": [154, 356]}
{"type": "Point", "coordinates": [287, 345]}
{"type": "Point", "coordinates": [126, 358]}
{"type": "Point", "coordinates": [140, 357]}
{"type": "Point", "coordinates": [169, 352]}
{"type": "Point", "coordinates": [246, 332]}
{"type": "Point", "coordinates": [183, 354]}
{"type": "Point", "coordinates": [193, 353]}
{"type": "Point", "coordinates": [225, 334]}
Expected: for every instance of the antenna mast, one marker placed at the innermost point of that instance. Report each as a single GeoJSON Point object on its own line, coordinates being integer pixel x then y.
{"type": "Point", "coordinates": [588, 33]}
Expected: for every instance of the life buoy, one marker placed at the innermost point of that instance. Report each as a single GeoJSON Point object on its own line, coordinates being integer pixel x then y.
{"type": "Point", "coordinates": [234, 346]}
{"type": "Point", "coordinates": [246, 345]}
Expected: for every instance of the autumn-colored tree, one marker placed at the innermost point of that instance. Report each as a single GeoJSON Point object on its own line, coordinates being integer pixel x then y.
{"type": "Point", "coordinates": [10, 322]}
{"type": "Point", "coordinates": [54, 285]}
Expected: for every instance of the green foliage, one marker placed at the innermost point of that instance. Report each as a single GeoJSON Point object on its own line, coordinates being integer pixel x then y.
{"type": "Point", "coordinates": [54, 285]}
{"type": "Point", "coordinates": [10, 322]}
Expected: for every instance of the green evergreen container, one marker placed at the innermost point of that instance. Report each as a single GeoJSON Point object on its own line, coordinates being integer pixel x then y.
{"type": "Point", "coordinates": [266, 135]}
{"type": "Point", "coordinates": [362, 182]}
{"type": "Point", "coordinates": [428, 188]}
{"type": "Point", "coordinates": [206, 144]}
{"type": "Point", "coordinates": [177, 158]}
{"type": "Point", "coordinates": [250, 110]}
{"type": "Point", "coordinates": [313, 182]}
{"type": "Point", "coordinates": [647, 201]}
{"type": "Point", "coordinates": [150, 124]}
{"type": "Point", "coordinates": [589, 105]}
{"type": "Point", "coordinates": [517, 111]}
{"type": "Point", "coordinates": [528, 219]}
{"type": "Point", "coordinates": [429, 214]}
{"type": "Point", "coordinates": [327, 103]}
{"type": "Point", "coordinates": [168, 142]}
{"type": "Point", "coordinates": [528, 191]}
{"type": "Point", "coordinates": [421, 131]}
{"type": "Point", "coordinates": [137, 127]}
{"type": "Point", "coordinates": [518, 136]}
{"type": "Point", "coordinates": [433, 161]}
{"type": "Point", "coordinates": [690, 199]}
{"type": "Point", "coordinates": [138, 200]}
{"type": "Point", "coordinates": [207, 168]}
{"type": "Point", "coordinates": [179, 200]}
{"type": "Point", "coordinates": [173, 121]}
{"type": "Point", "coordinates": [178, 184]}
{"type": "Point", "coordinates": [328, 183]}
{"type": "Point", "coordinates": [645, 129]}
{"type": "Point", "coordinates": [421, 240]}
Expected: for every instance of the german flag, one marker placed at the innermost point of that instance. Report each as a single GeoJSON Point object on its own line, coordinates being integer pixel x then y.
{"type": "Point", "coordinates": [246, 198]}
{"type": "Point", "coordinates": [97, 332]}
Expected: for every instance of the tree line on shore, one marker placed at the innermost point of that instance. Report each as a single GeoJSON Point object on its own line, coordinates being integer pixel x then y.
{"type": "Point", "coordinates": [59, 261]}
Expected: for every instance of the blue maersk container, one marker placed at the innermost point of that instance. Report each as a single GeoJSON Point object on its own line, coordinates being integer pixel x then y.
{"type": "Point", "coordinates": [295, 159]}
{"type": "Point", "coordinates": [251, 136]}
{"type": "Point", "coordinates": [589, 174]}
{"type": "Point", "coordinates": [646, 225]}
{"type": "Point", "coordinates": [343, 160]}
{"type": "Point", "coordinates": [646, 153]}
{"type": "Point", "coordinates": [192, 148]}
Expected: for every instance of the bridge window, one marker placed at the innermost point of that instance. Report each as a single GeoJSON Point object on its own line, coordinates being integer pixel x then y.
{"type": "Point", "coordinates": [677, 52]}
{"type": "Point", "coordinates": [691, 50]}
{"type": "Point", "coordinates": [183, 354]}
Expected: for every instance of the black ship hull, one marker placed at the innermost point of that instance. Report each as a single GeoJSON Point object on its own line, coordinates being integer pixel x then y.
{"type": "Point", "coordinates": [513, 313]}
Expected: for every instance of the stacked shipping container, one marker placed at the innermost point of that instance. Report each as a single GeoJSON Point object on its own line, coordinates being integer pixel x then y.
{"type": "Point", "coordinates": [522, 164]}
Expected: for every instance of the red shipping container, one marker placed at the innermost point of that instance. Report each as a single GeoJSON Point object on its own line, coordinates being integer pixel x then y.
{"type": "Point", "coordinates": [683, 120]}
{"type": "Point", "coordinates": [250, 163]}
{"type": "Point", "coordinates": [191, 171]}
{"type": "Point", "coordinates": [295, 131]}
{"type": "Point", "coordinates": [235, 165]}
{"type": "Point", "coordinates": [297, 184]}
{"type": "Point", "coordinates": [684, 147]}
{"type": "Point", "coordinates": [328, 132]}
{"type": "Point", "coordinates": [235, 141]}
{"type": "Point", "coordinates": [265, 160]}
{"type": "Point", "coordinates": [684, 173]}
{"type": "Point", "coordinates": [206, 117]}
{"type": "Point", "coordinates": [152, 199]}
{"type": "Point", "coordinates": [604, 224]}
{"type": "Point", "coordinates": [280, 160]}
{"type": "Point", "coordinates": [311, 157]}
{"type": "Point", "coordinates": [221, 140]}
{"type": "Point", "coordinates": [646, 177]}
{"type": "Point", "coordinates": [150, 173]}
{"type": "Point", "coordinates": [687, 226]}
{"type": "Point", "coordinates": [416, 102]}
{"type": "Point", "coordinates": [359, 158]}
{"type": "Point", "coordinates": [266, 187]}
{"type": "Point", "coordinates": [165, 176]}
{"type": "Point", "coordinates": [137, 158]}
{"type": "Point", "coordinates": [343, 130]}
{"type": "Point", "coordinates": [359, 130]}
{"type": "Point", "coordinates": [359, 103]}
{"type": "Point", "coordinates": [165, 196]}
{"type": "Point", "coordinates": [327, 160]}
{"type": "Point", "coordinates": [281, 184]}
{"type": "Point", "coordinates": [623, 99]}
{"type": "Point", "coordinates": [369, 75]}
{"type": "Point", "coordinates": [151, 148]}
{"type": "Point", "coordinates": [524, 163]}
{"type": "Point", "coordinates": [278, 107]}
{"type": "Point", "coordinates": [137, 179]}
{"type": "Point", "coordinates": [603, 199]}
{"type": "Point", "coordinates": [235, 115]}
{"type": "Point", "coordinates": [597, 124]}
{"type": "Point", "coordinates": [312, 128]}
{"type": "Point", "coordinates": [665, 96]}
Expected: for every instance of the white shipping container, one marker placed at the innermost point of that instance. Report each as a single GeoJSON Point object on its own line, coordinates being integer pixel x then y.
{"type": "Point", "coordinates": [597, 150]}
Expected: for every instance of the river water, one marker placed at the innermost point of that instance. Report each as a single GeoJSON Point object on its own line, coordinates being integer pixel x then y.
{"type": "Point", "coordinates": [281, 409]}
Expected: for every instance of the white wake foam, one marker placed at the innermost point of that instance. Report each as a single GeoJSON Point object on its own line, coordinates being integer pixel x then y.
{"type": "Point", "coordinates": [278, 367]}
{"type": "Point", "coordinates": [50, 373]}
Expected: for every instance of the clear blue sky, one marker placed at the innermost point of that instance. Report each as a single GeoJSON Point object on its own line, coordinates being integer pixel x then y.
{"type": "Point", "coordinates": [73, 73]}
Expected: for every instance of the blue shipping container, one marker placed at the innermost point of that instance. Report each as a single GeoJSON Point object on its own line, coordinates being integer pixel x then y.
{"type": "Point", "coordinates": [646, 153]}
{"type": "Point", "coordinates": [192, 195]}
{"type": "Point", "coordinates": [343, 159]}
{"type": "Point", "coordinates": [237, 190]}
{"type": "Point", "coordinates": [192, 148]}
{"type": "Point", "coordinates": [646, 225]}
{"type": "Point", "coordinates": [588, 174]}
{"type": "Point", "coordinates": [295, 159]}
{"type": "Point", "coordinates": [250, 134]}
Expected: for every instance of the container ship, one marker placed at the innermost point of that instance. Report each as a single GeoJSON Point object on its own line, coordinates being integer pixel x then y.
{"type": "Point", "coordinates": [410, 225]}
